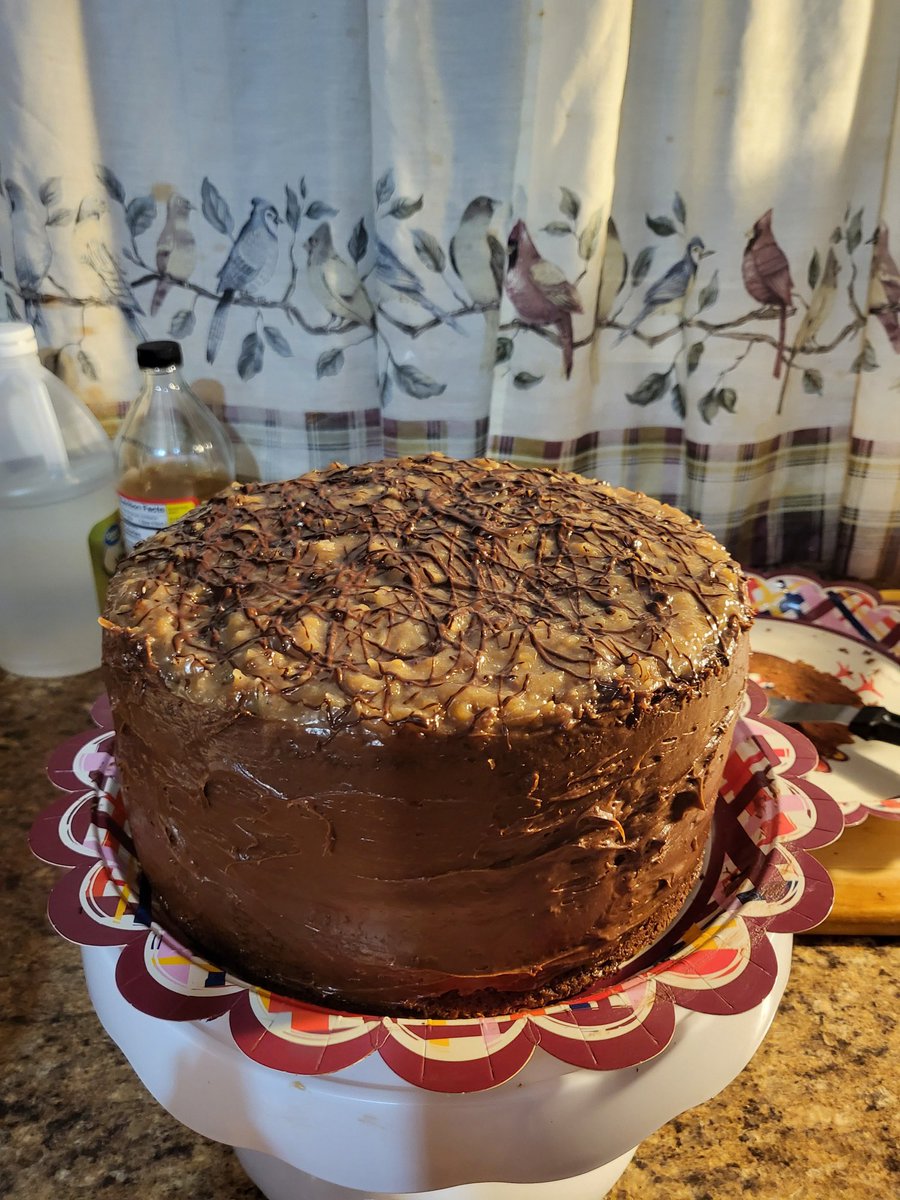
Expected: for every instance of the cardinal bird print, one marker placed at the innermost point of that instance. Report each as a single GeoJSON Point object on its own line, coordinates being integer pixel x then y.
{"type": "Point", "coordinates": [767, 277]}
{"type": "Point", "coordinates": [540, 291]}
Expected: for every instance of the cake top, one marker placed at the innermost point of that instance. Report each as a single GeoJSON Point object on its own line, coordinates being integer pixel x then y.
{"type": "Point", "coordinates": [451, 594]}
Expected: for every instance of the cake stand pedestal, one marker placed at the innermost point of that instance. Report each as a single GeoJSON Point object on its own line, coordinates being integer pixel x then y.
{"type": "Point", "coordinates": [552, 1132]}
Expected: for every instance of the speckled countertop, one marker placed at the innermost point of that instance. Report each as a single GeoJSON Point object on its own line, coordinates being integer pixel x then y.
{"type": "Point", "coordinates": [815, 1115]}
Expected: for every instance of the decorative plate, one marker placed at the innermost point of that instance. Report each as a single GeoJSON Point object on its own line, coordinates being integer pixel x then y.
{"type": "Point", "coordinates": [850, 608]}
{"type": "Point", "coordinates": [849, 633]}
{"type": "Point", "coordinates": [716, 958]}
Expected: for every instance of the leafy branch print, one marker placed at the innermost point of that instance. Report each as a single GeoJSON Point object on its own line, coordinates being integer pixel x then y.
{"type": "Point", "coordinates": [329, 277]}
{"type": "Point", "coordinates": [389, 275]}
{"type": "Point", "coordinates": [768, 280]}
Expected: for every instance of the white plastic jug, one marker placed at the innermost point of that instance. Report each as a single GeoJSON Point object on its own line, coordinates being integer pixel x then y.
{"type": "Point", "coordinates": [57, 502]}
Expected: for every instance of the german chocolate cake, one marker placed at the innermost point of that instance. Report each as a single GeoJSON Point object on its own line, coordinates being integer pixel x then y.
{"type": "Point", "coordinates": [424, 736]}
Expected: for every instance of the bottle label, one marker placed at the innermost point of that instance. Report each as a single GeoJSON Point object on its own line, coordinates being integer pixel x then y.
{"type": "Point", "coordinates": [141, 518]}
{"type": "Point", "coordinates": [105, 547]}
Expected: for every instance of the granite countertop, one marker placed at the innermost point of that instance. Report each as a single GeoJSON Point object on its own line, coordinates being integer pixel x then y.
{"type": "Point", "coordinates": [816, 1114]}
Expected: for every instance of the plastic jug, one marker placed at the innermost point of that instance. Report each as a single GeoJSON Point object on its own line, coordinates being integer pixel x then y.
{"type": "Point", "coordinates": [59, 538]}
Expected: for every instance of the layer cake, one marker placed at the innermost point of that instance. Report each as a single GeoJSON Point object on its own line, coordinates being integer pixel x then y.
{"type": "Point", "coordinates": [424, 736]}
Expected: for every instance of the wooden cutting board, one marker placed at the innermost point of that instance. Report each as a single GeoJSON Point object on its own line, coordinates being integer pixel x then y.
{"type": "Point", "coordinates": [864, 865]}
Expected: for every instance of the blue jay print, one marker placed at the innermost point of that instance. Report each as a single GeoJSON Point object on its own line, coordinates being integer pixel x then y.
{"type": "Point", "coordinates": [251, 260]}
{"type": "Point", "coordinates": [670, 289]}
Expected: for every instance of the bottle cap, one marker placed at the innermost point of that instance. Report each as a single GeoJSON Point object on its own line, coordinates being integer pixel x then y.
{"type": "Point", "coordinates": [16, 337]}
{"type": "Point", "coordinates": [159, 354]}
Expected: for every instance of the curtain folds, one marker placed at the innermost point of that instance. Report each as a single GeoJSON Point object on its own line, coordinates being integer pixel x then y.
{"type": "Point", "coordinates": [647, 240]}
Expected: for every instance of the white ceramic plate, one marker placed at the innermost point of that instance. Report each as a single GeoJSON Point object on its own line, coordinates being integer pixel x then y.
{"type": "Point", "coordinates": [867, 779]}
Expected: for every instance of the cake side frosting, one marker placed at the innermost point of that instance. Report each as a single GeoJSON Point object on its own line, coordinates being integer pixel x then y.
{"type": "Point", "coordinates": [430, 875]}
{"type": "Point", "coordinates": [452, 594]}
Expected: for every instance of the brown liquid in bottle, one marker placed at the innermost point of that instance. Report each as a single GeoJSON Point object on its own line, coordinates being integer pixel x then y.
{"type": "Point", "coordinates": [171, 480]}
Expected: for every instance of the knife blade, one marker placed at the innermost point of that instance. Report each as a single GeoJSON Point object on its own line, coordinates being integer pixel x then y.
{"type": "Point", "coordinates": [866, 721]}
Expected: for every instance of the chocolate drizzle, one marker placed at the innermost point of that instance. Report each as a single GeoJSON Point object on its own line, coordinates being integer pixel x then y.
{"type": "Point", "coordinates": [451, 594]}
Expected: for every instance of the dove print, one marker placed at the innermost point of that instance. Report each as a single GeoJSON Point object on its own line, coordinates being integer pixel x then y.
{"type": "Point", "coordinates": [479, 260]}
{"type": "Point", "coordinates": [176, 250]}
{"type": "Point", "coordinates": [476, 255]}
{"type": "Point", "coordinates": [335, 283]}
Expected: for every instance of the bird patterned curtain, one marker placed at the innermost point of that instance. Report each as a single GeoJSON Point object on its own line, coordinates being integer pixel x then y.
{"type": "Point", "coordinates": [647, 240]}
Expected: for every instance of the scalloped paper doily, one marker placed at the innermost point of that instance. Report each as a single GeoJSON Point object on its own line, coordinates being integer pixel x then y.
{"type": "Point", "coordinates": [853, 635]}
{"type": "Point", "coordinates": [716, 958]}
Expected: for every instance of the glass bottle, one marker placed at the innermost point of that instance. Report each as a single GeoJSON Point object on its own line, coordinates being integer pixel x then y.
{"type": "Point", "coordinates": [171, 452]}
{"type": "Point", "coordinates": [59, 534]}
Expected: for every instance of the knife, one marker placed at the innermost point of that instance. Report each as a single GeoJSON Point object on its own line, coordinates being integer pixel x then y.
{"type": "Point", "coordinates": [867, 721]}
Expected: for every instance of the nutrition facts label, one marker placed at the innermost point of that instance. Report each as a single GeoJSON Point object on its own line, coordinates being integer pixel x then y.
{"type": "Point", "coordinates": [141, 518]}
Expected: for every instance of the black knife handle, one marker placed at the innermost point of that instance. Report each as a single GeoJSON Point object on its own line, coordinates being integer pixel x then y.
{"type": "Point", "coordinates": [878, 723]}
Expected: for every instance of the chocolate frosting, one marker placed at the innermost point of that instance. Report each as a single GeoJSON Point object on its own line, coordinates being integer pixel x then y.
{"type": "Point", "coordinates": [424, 736]}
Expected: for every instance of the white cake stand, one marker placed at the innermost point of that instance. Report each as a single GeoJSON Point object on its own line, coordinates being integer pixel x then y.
{"type": "Point", "coordinates": [552, 1132]}
{"type": "Point", "coordinates": [321, 1105]}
